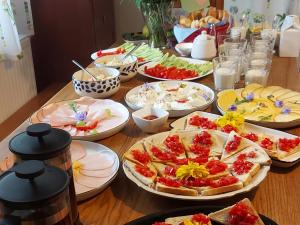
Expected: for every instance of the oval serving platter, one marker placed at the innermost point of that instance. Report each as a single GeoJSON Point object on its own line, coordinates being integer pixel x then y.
{"type": "Point", "coordinates": [107, 127]}
{"type": "Point", "coordinates": [141, 69]}
{"type": "Point", "coordinates": [175, 84]}
{"type": "Point", "coordinates": [161, 216]}
{"type": "Point", "coordinates": [256, 180]}
{"type": "Point", "coordinates": [288, 161]}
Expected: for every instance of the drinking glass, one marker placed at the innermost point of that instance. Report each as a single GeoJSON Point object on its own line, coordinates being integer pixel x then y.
{"type": "Point", "coordinates": [225, 72]}
{"type": "Point", "coordinates": [230, 43]}
{"type": "Point", "coordinates": [257, 74]}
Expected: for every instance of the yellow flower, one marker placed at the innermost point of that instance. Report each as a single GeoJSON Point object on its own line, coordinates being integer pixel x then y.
{"type": "Point", "coordinates": [191, 170]}
{"type": "Point", "coordinates": [231, 118]}
{"type": "Point", "coordinates": [76, 166]}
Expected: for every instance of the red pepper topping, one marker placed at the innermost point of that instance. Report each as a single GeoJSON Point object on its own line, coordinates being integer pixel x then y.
{"type": "Point", "coordinates": [172, 89]}
{"type": "Point", "coordinates": [87, 128]}
{"type": "Point", "coordinates": [174, 144]}
{"type": "Point", "coordinates": [267, 144]}
{"type": "Point", "coordinates": [233, 145]}
{"type": "Point", "coordinates": [200, 159]}
{"type": "Point", "coordinates": [200, 150]}
{"type": "Point", "coordinates": [170, 171]}
{"type": "Point", "coordinates": [202, 122]}
{"type": "Point", "coordinates": [228, 128]}
{"type": "Point", "coordinates": [184, 100]}
{"type": "Point", "coordinates": [288, 144]}
{"type": "Point", "coordinates": [196, 182]}
{"type": "Point", "coordinates": [204, 138]}
{"type": "Point", "coordinates": [169, 182]}
{"type": "Point", "coordinates": [240, 215]}
{"type": "Point", "coordinates": [140, 156]}
{"type": "Point", "coordinates": [216, 166]}
{"type": "Point", "coordinates": [244, 156]}
{"type": "Point", "coordinates": [161, 223]}
{"type": "Point", "coordinates": [242, 166]}
{"type": "Point", "coordinates": [140, 59]}
{"type": "Point", "coordinates": [223, 181]}
{"type": "Point", "coordinates": [171, 73]}
{"type": "Point", "coordinates": [251, 136]}
{"type": "Point", "coordinates": [164, 156]}
{"type": "Point", "coordinates": [201, 218]}
{"type": "Point", "coordinates": [183, 161]}
{"type": "Point", "coordinates": [116, 52]}
{"type": "Point", "coordinates": [144, 170]}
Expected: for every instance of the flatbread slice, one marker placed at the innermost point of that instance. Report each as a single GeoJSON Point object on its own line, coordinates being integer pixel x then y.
{"type": "Point", "coordinates": [228, 151]}
{"type": "Point", "coordinates": [222, 216]}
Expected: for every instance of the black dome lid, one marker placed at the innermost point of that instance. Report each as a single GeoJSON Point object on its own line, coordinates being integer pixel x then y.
{"type": "Point", "coordinates": [31, 183]}
{"type": "Point", "coordinates": [40, 142]}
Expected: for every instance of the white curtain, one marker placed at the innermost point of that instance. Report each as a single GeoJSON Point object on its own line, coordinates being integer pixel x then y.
{"type": "Point", "coordinates": [15, 23]}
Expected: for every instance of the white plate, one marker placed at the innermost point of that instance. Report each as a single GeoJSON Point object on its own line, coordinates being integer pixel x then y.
{"type": "Point", "coordinates": [91, 148]}
{"type": "Point", "coordinates": [257, 179]}
{"type": "Point", "coordinates": [94, 55]}
{"type": "Point", "coordinates": [176, 113]}
{"type": "Point", "coordinates": [286, 162]}
{"type": "Point", "coordinates": [194, 61]}
{"type": "Point", "coordinates": [107, 129]}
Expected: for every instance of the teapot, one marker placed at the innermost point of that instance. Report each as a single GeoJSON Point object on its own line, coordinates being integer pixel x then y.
{"type": "Point", "coordinates": [204, 46]}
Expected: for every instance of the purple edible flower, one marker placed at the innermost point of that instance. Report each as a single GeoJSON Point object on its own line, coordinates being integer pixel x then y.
{"type": "Point", "coordinates": [147, 86]}
{"type": "Point", "coordinates": [279, 104]}
{"type": "Point", "coordinates": [205, 97]}
{"type": "Point", "coordinates": [250, 96]}
{"type": "Point", "coordinates": [286, 111]}
{"type": "Point", "coordinates": [232, 108]}
{"type": "Point", "coordinates": [80, 116]}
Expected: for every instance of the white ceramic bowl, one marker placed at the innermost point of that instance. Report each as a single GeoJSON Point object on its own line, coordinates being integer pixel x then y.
{"type": "Point", "coordinates": [184, 49]}
{"type": "Point", "coordinates": [150, 126]}
{"type": "Point", "coordinates": [127, 71]}
{"type": "Point", "coordinates": [84, 86]}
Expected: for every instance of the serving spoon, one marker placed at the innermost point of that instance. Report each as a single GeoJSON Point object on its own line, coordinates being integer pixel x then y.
{"type": "Point", "coordinates": [131, 51]}
{"type": "Point", "coordinates": [81, 67]}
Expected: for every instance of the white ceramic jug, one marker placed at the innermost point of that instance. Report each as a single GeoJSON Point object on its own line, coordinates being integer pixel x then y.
{"type": "Point", "coordinates": [290, 37]}
{"type": "Point", "coordinates": [204, 46]}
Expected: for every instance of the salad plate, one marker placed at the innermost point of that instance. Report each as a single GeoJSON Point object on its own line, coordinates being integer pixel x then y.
{"type": "Point", "coordinates": [152, 166]}
{"type": "Point", "coordinates": [94, 167]}
{"type": "Point", "coordinates": [177, 97]}
{"type": "Point", "coordinates": [144, 53]}
{"type": "Point", "coordinates": [247, 128]}
{"type": "Point", "coordinates": [85, 118]}
{"type": "Point", "coordinates": [200, 68]}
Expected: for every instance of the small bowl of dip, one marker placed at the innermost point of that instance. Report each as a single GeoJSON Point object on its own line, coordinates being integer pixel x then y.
{"type": "Point", "coordinates": [128, 67]}
{"type": "Point", "coordinates": [150, 119]}
{"type": "Point", "coordinates": [107, 83]}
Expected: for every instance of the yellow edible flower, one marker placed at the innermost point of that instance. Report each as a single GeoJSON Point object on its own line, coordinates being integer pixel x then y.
{"type": "Point", "coordinates": [231, 118]}
{"type": "Point", "coordinates": [76, 166]}
{"type": "Point", "coordinates": [189, 222]}
{"type": "Point", "coordinates": [192, 169]}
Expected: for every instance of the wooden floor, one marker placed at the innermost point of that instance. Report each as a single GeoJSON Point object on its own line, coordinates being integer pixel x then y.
{"type": "Point", "coordinates": [26, 110]}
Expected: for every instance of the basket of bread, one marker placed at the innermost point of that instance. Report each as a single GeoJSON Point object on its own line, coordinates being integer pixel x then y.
{"type": "Point", "coordinates": [201, 20]}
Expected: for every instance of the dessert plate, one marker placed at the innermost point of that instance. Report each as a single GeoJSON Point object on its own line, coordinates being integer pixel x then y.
{"type": "Point", "coordinates": [94, 167]}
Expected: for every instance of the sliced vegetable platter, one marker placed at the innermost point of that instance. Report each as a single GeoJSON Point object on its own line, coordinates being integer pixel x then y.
{"type": "Point", "coordinates": [176, 68]}
{"type": "Point", "coordinates": [247, 128]}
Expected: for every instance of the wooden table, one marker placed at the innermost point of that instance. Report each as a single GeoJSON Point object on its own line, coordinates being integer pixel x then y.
{"type": "Point", "coordinates": [277, 197]}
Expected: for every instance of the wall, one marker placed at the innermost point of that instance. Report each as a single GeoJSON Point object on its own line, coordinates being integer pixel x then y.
{"type": "Point", "coordinates": [128, 18]}
{"type": "Point", "coordinates": [17, 82]}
